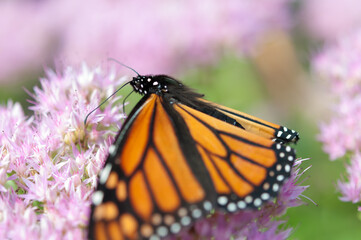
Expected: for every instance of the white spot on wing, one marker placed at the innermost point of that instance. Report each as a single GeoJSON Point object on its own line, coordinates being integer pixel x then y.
{"type": "Point", "coordinates": [231, 207]}
{"type": "Point", "coordinates": [248, 199]}
{"type": "Point", "coordinates": [287, 168]}
{"type": "Point", "coordinates": [207, 205]}
{"type": "Point", "coordinates": [185, 221]}
{"type": "Point", "coordinates": [154, 237]}
{"type": "Point", "coordinates": [105, 173]}
{"type": "Point", "coordinates": [275, 187]}
{"type": "Point", "coordinates": [222, 200]}
{"type": "Point", "coordinates": [265, 196]}
{"type": "Point", "coordinates": [112, 150]}
{"type": "Point", "coordinates": [257, 202]}
{"type": "Point", "coordinates": [175, 228]}
{"type": "Point", "coordinates": [241, 204]}
{"type": "Point", "coordinates": [97, 197]}
{"type": "Point", "coordinates": [196, 213]}
{"type": "Point", "coordinates": [162, 231]}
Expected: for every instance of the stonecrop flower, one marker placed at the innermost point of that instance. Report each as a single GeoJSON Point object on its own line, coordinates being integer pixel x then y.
{"type": "Point", "coordinates": [340, 64]}
{"type": "Point", "coordinates": [49, 164]}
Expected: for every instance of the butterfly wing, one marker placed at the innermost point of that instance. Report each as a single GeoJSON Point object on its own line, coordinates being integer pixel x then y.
{"type": "Point", "coordinates": [246, 169]}
{"type": "Point", "coordinates": [255, 125]}
{"type": "Point", "coordinates": [172, 164]}
{"type": "Point", "coordinates": [153, 185]}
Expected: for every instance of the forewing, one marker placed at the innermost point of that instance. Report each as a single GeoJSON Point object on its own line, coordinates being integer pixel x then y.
{"type": "Point", "coordinates": [258, 126]}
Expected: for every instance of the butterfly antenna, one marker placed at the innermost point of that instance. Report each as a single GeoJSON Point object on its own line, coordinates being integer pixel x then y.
{"type": "Point", "coordinates": [86, 118]}
{"type": "Point", "coordinates": [112, 59]}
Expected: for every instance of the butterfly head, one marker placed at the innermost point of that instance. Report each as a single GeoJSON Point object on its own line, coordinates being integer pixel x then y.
{"type": "Point", "coordinates": [147, 84]}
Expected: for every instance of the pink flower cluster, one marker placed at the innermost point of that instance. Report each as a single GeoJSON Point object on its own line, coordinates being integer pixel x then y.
{"type": "Point", "coordinates": [342, 133]}
{"type": "Point", "coordinates": [340, 64]}
{"type": "Point", "coordinates": [49, 164]}
{"type": "Point", "coordinates": [153, 37]}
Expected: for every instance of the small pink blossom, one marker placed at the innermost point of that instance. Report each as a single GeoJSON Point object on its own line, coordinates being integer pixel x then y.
{"type": "Point", "coordinates": [351, 190]}
{"type": "Point", "coordinates": [343, 132]}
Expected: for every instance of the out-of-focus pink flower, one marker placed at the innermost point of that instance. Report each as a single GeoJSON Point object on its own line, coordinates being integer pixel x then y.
{"type": "Point", "coordinates": [343, 132]}
{"type": "Point", "coordinates": [340, 64]}
{"type": "Point", "coordinates": [45, 160]}
{"type": "Point", "coordinates": [331, 19]}
{"type": "Point", "coordinates": [26, 37]}
{"type": "Point", "coordinates": [351, 190]}
{"type": "Point", "coordinates": [153, 37]}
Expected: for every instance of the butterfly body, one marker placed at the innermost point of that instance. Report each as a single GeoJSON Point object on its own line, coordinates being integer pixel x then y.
{"type": "Point", "coordinates": [178, 157]}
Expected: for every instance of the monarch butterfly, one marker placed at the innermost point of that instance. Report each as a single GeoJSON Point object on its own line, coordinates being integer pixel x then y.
{"type": "Point", "coordinates": [178, 157]}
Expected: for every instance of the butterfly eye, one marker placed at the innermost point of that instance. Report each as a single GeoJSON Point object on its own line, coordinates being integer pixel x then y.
{"type": "Point", "coordinates": [164, 88]}
{"type": "Point", "coordinates": [137, 84]}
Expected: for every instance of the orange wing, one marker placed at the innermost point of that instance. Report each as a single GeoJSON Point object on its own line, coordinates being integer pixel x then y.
{"type": "Point", "coordinates": [148, 189]}
{"type": "Point", "coordinates": [172, 164]}
{"type": "Point", "coordinates": [258, 126]}
{"type": "Point", "coordinates": [246, 169]}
